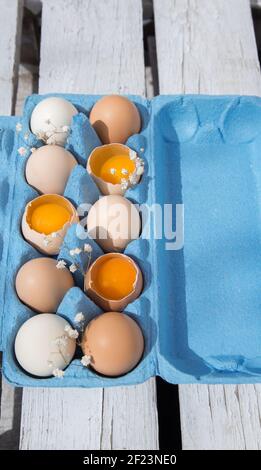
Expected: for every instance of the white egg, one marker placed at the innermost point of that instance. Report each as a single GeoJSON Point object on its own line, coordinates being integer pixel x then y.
{"type": "Point", "coordinates": [114, 222]}
{"type": "Point", "coordinates": [43, 345]}
{"type": "Point", "coordinates": [51, 120]}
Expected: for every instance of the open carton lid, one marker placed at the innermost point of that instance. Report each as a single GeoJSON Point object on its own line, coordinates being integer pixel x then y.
{"type": "Point", "coordinates": [207, 157]}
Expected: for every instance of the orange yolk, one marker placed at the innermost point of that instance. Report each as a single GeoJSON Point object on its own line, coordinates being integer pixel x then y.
{"type": "Point", "coordinates": [115, 168]}
{"type": "Point", "coordinates": [48, 218]}
{"type": "Point", "coordinates": [114, 278]}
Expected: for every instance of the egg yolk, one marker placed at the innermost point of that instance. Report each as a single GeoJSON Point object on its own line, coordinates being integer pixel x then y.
{"type": "Point", "coordinates": [115, 168]}
{"type": "Point", "coordinates": [48, 218]}
{"type": "Point", "coordinates": [114, 278]}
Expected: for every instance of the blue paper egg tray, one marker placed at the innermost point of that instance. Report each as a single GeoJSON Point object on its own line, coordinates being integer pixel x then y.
{"type": "Point", "coordinates": [200, 308]}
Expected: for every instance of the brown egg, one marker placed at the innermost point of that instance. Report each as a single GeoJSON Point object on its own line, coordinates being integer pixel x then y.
{"type": "Point", "coordinates": [41, 285]}
{"type": "Point", "coordinates": [115, 343]}
{"type": "Point", "coordinates": [48, 169]}
{"type": "Point", "coordinates": [115, 118]}
{"type": "Point", "coordinates": [113, 281]}
{"type": "Point", "coordinates": [46, 220]}
{"type": "Point", "coordinates": [113, 221]}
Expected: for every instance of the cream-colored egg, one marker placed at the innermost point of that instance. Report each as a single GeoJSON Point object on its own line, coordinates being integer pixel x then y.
{"type": "Point", "coordinates": [48, 169]}
{"type": "Point", "coordinates": [51, 120]}
{"type": "Point", "coordinates": [41, 285]}
{"type": "Point", "coordinates": [113, 221]}
{"type": "Point", "coordinates": [52, 207]}
{"type": "Point", "coordinates": [43, 345]}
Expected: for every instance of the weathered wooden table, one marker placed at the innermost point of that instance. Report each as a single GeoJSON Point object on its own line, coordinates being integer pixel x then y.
{"type": "Point", "coordinates": [90, 46]}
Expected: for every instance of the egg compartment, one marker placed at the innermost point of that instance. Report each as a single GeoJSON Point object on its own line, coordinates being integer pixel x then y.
{"type": "Point", "coordinates": [80, 189]}
{"type": "Point", "coordinates": [199, 310]}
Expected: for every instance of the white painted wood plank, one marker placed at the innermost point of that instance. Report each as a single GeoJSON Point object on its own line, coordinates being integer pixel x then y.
{"type": "Point", "coordinates": [130, 418]}
{"type": "Point", "coordinates": [213, 50]}
{"type": "Point", "coordinates": [206, 47]}
{"type": "Point", "coordinates": [102, 52]}
{"type": "Point", "coordinates": [220, 417]}
{"type": "Point", "coordinates": [98, 49]}
{"type": "Point", "coordinates": [118, 418]}
{"type": "Point", "coordinates": [61, 419]}
{"type": "Point", "coordinates": [10, 27]}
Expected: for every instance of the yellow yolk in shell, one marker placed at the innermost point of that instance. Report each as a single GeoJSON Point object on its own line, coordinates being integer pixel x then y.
{"type": "Point", "coordinates": [115, 168]}
{"type": "Point", "coordinates": [48, 218]}
{"type": "Point", "coordinates": [114, 278]}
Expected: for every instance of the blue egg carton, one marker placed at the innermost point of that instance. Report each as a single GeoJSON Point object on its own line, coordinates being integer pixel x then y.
{"type": "Point", "coordinates": [200, 308]}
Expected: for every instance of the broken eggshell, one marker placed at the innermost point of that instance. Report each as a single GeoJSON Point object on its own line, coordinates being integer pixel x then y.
{"type": "Point", "coordinates": [107, 303]}
{"type": "Point", "coordinates": [104, 152]}
{"type": "Point", "coordinates": [47, 244]}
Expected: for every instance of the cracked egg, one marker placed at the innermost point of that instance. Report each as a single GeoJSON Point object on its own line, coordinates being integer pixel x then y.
{"type": "Point", "coordinates": [113, 281]}
{"type": "Point", "coordinates": [115, 168]}
{"type": "Point", "coordinates": [46, 220]}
